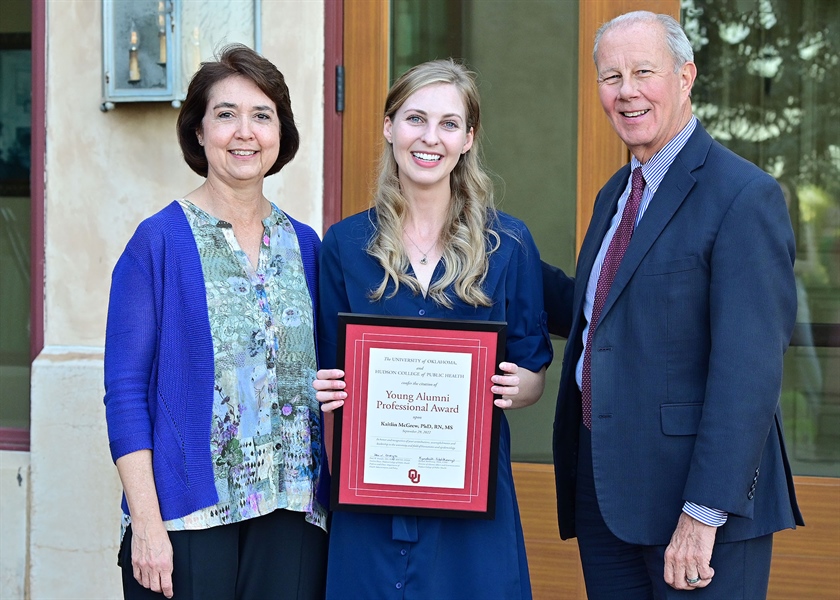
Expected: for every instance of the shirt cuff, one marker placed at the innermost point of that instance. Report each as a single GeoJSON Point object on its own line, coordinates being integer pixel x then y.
{"type": "Point", "coordinates": [708, 516]}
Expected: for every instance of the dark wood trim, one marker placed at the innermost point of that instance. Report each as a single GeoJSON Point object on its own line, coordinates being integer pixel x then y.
{"type": "Point", "coordinates": [36, 176]}
{"type": "Point", "coordinates": [600, 151]}
{"type": "Point", "coordinates": [366, 56]}
{"type": "Point", "coordinates": [805, 559]}
{"type": "Point", "coordinates": [333, 58]}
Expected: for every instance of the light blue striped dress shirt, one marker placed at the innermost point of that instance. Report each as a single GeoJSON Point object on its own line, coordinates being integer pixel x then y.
{"type": "Point", "coordinates": [654, 171]}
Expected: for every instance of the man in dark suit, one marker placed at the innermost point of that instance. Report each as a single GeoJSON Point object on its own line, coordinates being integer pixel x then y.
{"type": "Point", "coordinates": [669, 458]}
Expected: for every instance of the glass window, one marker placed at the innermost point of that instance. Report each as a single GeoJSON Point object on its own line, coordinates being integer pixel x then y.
{"type": "Point", "coordinates": [529, 120]}
{"type": "Point", "coordinates": [15, 129]}
{"type": "Point", "coordinates": [422, 31]}
{"type": "Point", "coordinates": [767, 87]}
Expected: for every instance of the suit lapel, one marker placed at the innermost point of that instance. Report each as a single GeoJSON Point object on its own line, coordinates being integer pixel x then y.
{"type": "Point", "coordinates": [671, 193]}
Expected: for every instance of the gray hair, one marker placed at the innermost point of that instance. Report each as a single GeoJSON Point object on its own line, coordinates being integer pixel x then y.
{"type": "Point", "coordinates": [678, 44]}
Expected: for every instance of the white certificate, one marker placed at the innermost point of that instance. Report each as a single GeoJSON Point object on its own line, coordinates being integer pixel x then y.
{"type": "Point", "coordinates": [417, 417]}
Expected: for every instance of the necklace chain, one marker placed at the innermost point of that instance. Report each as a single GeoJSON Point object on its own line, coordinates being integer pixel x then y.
{"type": "Point", "coordinates": [425, 259]}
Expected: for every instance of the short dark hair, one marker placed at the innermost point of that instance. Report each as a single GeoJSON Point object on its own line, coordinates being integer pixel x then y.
{"type": "Point", "coordinates": [235, 60]}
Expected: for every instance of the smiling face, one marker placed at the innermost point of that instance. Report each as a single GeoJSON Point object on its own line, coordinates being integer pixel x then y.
{"type": "Point", "coordinates": [428, 134]}
{"type": "Point", "coordinates": [644, 99]}
{"type": "Point", "coordinates": [240, 132]}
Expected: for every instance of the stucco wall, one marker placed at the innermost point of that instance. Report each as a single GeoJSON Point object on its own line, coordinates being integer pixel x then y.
{"type": "Point", "coordinates": [105, 173]}
{"type": "Point", "coordinates": [14, 492]}
{"type": "Point", "coordinates": [293, 39]}
{"type": "Point", "coordinates": [74, 506]}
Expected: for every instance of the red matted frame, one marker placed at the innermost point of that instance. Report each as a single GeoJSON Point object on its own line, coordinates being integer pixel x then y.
{"type": "Point", "coordinates": [485, 342]}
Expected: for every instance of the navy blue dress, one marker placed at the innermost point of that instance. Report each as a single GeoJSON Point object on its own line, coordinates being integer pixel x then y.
{"type": "Point", "coordinates": [375, 556]}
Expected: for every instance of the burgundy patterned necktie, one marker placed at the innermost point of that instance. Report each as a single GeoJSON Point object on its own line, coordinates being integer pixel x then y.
{"type": "Point", "coordinates": [615, 252]}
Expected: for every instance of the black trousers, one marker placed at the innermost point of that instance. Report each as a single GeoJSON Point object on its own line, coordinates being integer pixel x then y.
{"type": "Point", "coordinates": [278, 556]}
{"type": "Point", "coordinates": [612, 568]}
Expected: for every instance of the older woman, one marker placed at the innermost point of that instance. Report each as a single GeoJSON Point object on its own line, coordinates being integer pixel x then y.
{"type": "Point", "coordinates": [434, 246]}
{"type": "Point", "coordinates": [209, 358]}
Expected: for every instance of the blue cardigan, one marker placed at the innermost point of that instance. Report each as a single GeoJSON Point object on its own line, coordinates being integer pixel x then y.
{"type": "Point", "coordinates": [159, 365]}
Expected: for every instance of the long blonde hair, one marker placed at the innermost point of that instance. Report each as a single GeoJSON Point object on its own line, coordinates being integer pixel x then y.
{"type": "Point", "coordinates": [467, 237]}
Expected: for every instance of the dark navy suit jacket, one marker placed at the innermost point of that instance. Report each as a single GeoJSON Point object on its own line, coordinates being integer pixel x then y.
{"type": "Point", "coordinates": [687, 356]}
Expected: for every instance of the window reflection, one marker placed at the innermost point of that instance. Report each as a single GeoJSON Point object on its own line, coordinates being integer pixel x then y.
{"type": "Point", "coordinates": [15, 130]}
{"type": "Point", "coordinates": [422, 31]}
{"type": "Point", "coordinates": [768, 88]}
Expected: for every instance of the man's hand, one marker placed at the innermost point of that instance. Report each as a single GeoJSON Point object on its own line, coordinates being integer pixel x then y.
{"type": "Point", "coordinates": [688, 555]}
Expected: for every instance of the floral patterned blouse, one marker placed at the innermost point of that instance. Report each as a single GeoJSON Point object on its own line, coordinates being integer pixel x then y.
{"type": "Point", "coordinates": [265, 435]}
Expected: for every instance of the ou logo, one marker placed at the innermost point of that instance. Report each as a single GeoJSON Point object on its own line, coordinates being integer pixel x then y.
{"type": "Point", "coordinates": [414, 476]}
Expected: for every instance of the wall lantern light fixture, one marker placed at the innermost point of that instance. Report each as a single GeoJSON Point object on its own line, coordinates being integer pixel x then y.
{"type": "Point", "coordinates": [152, 48]}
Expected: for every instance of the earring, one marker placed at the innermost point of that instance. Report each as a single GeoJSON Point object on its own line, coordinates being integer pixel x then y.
{"type": "Point", "coordinates": [200, 142]}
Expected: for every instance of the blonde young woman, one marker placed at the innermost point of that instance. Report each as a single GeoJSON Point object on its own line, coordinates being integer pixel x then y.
{"type": "Point", "coordinates": [433, 246]}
